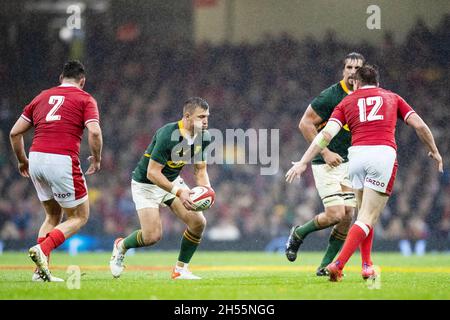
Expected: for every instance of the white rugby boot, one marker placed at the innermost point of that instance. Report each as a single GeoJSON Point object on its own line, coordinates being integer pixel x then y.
{"type": "Point", "coordinates": [39, 258]}
{"type": "Point", "coordinates": [183, 273]}
{"type": "Point", "coordinates": [116, 263]}
{"type": "Point", "coordinates": [37, 278]}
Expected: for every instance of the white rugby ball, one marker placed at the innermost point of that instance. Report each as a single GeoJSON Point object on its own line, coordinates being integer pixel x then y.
{"type": "Point", "coordinates": [203, 197]}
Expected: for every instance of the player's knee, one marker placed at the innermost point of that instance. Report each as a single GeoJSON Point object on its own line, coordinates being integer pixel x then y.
{"type": "Point", "coordinates": [150, 238]}
{"type": "Point", "coordinates": [54, 219]}
{"type": "Point", "coordinates": [198, 224]}
{"type": "Point", "coordinates": [335, 214]}
{"type": "Point", "coordinates": [348, 214]}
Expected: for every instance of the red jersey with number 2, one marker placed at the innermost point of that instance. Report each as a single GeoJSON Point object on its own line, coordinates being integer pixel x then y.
{"type": "Point", "coordinates": [59, 116]}
{"type": "Point", "coordinates": [371, 114]}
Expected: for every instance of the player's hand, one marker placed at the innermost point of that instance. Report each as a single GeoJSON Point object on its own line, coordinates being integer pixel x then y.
{"type": "Point", "coordinates": [437, 156]}
{"type": "Point", "coordinates": [185, 198]}
{"type": "Point", "coordinates": [94, 166]}
{"type": "Point", "coordinates": [296, 171]}
{"type": "Point", "coordinates": [331, 158]}
{"type": "Point", "coordinates": [23, 168]}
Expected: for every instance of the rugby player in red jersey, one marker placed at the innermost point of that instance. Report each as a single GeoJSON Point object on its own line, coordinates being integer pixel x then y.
{"type": "Point", "coordinates": [59, 116]}
{"type": "Point", "coordinates": [371, 113]}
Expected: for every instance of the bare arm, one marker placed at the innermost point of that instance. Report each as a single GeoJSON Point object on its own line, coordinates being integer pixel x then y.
{"type": "Point", "coordinates": [155, 175]}
{"type": "Point", "coordinates": [317, 145]}
{"type": "Point", "coordinates": [16, 138]}
{"type": "Point", "coordinates": [95, 141]}
{"type": "Point", "coordinates": [308, 127]}
{"type": "Point", "coordinates": [201, 175]}
{"type": "Point", "coordinates": [425, 135]}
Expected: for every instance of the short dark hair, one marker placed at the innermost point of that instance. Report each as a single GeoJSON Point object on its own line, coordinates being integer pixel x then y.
{"type": "Point", "coordinates": [368, 75]}
{"type": "Point", "coordinates": [73, 69]}
{"type": "Point", "coordinates": [194, 102]}
{"type": "Point", "coordinates": [353, 56]}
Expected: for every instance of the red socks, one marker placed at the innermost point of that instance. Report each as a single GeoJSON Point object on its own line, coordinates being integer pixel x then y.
{"type": "Point", "coordinates": [53, 240]}
{"type": "Point", "coordinates": [358, 232]}
{"type": "Point", "coordinates": [366, 248]}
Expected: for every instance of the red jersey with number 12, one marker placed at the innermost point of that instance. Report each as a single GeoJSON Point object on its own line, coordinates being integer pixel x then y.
{"type": "Point", "coordinates": [371, 114]}
{"type": "Point", "coordinates": [59, 116]}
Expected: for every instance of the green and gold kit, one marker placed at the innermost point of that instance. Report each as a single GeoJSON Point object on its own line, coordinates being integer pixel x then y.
{"type": "Point", "coordinates": [172, 147]}
{"type": "Point", "coordinates": [324, 105]}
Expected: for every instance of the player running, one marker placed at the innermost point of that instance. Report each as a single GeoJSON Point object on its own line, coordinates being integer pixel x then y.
{"type": "Point", "coordinates": [59, 116]}
{"type": "Point", "coordinates": [371, 114]}
{"type": "Point", "coordinates": [156, 182]}
{"type": "Point", "coordinates": [330, 169]}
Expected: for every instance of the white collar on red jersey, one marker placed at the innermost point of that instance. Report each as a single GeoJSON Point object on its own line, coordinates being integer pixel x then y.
{"type": "Point", "coordinates": [368, 87]}
{"type": "Point", "coordinates": [66, 84]}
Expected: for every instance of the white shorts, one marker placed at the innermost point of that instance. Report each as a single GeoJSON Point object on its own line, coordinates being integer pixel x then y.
{"type": "Point", "coordinates": [147, 195]}
{"type": "Point", "coordinates": [329, 182]}
{"type": "Point", "coordinates": [59, 177]}
{"type": "Point", "coordinates": [374, 167]}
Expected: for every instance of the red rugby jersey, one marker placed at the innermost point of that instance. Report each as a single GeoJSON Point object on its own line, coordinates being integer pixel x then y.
{"type": "Point", "coordinates": [59, 115]}
{"type": "Point", "coordinates": [371, 114]}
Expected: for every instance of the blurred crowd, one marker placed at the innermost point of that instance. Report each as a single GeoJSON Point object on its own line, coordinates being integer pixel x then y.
{"type": "Point", "coordinates": [140, 87]}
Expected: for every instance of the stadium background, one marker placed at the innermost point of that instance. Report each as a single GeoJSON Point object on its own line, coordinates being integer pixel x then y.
{"type": "Point", "coordinates": [259, 64]}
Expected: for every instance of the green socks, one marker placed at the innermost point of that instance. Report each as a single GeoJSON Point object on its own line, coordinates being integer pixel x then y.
{"type": "Point", "coordinates": [335, 243]}
{"type": "Point", "coordinates": [311, 226]}
{"type": "Point", "coordinates": [189, 244]}
{"type": "Point", "coordinates": [134, 240]}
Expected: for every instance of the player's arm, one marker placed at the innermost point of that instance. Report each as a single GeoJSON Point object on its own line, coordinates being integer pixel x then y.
{"type": "Point", "coordinates": [308, 127]}
{"type": "Point", "coordinates": [320, 142]}
{"type": "Point", "coordinates": [16, 138]}
{"type": "Point", "coordinates": [201, 174]}
{"type": "Point", "coordinates": [95, 141]}
{"type": "Point", "coordinates": [426, 136]}
{"type": "Point", "coordinates": [155, 175]}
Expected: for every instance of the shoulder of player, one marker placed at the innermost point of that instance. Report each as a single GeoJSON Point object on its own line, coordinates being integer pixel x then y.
{"type": "Point", "coordinates": [331, 89]}
{"type": "Point", "coordinates": [165, 132]}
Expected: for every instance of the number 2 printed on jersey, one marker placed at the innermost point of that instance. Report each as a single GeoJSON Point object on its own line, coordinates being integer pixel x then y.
{"type": "Point", "coordinates": [56, 101]}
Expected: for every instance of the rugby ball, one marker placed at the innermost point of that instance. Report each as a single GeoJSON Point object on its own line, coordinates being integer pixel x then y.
{"type": "Point", "coordinates": [203, 197]}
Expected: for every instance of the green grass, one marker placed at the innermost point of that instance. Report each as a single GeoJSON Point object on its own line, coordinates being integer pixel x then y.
{"type": "Point", "coordinates": [227, 276]}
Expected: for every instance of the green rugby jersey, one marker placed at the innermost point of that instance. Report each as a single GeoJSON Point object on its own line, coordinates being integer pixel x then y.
{"type": "Point", "coordinates": [324, 105]}
{"type": "Point", "coordinates": [168, 143]}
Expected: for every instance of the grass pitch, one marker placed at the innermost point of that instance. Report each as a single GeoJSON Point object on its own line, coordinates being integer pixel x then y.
{"type": "Point", "coordinates": [226, 276]}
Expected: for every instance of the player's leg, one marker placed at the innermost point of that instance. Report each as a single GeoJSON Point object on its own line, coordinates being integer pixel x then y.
{"type": "Point", "coordinates": [149, 234]}
{"type": "Point", "coordinates": [366, 245]}
{"type": "Point", "coordinates": [147, 198]}
{"type": "Point", "coordinates": [40, 166]}
{"type": "Point", "coordinates": [373, 203]}
{"type": "Point", "coordinates": [53, 217]}
{"type": "Point", "coordinates": [340, 230]}
{"type": "Point", "coordinates": [77, 217]}
{"type": "Point", "coordinates": [196, 223]}
{"type": "Point", "coordinates": [328, 185]}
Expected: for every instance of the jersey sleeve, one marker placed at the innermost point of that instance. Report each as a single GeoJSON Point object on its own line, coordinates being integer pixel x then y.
{"type": "Point", "coordinates": [161, 151]}
{"type": "Point", "coordinates": [91, 113]}
{"type": "Point", "coordinates": [338, 115]}
{"type": "Point", "coordinates": [27, 113]}
{"type": "Point", "coordinates": [321, 104]}
{"type": "Point", "coordinates": [404, 109]}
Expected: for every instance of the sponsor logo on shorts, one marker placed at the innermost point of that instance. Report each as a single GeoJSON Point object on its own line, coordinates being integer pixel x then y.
{"type": "Point", "coordinates": [375, 182]}
{"type": "Point", "coordinates": [62, 195]}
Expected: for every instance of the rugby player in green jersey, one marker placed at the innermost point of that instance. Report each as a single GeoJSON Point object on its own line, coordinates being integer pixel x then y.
{"type": "Point", "coordinates": [156, 182]}
{"type": "Point", "coordinates": [330, 169]}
